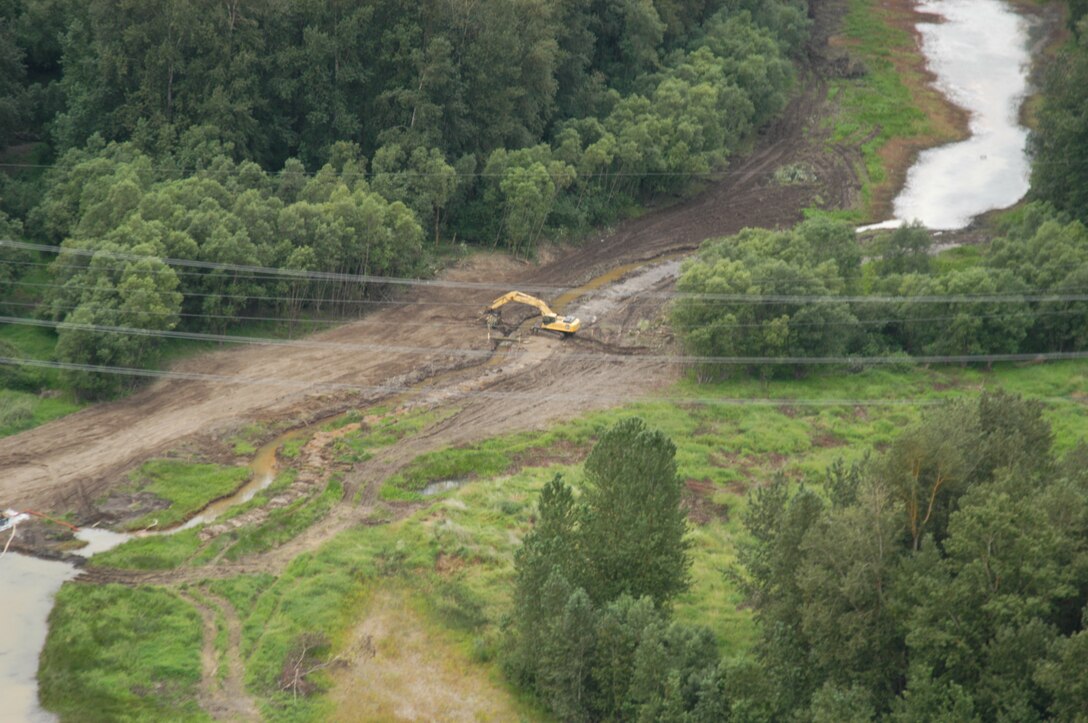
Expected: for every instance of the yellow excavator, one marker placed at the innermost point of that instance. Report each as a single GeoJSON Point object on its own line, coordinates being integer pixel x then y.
{"type": "Point", "coordinates": [551, 321]}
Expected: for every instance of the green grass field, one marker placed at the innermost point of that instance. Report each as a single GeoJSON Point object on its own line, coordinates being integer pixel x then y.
{"type": "Point", "coordinates": [457, 553]}
{"type": "Point", "coordinates": [188, 488]}
{"type": "Point", "coordinates": [891, 103]}
{"type": "Point", "coordinates": [116, 653]}
{"type": "Point", "coordinates": [454, 555]}
{"type": "Point", "coordinates": [21, 408]}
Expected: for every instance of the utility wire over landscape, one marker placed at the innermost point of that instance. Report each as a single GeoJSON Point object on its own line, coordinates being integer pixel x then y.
{"type": "Point", "coordinates": [340, 319]}
{"type": "Point", "coordinates": [635, 356]}
{"type": "Point", "coordinates": [879, 435]}
{"type": "Point", "coordinates": [268, 271]}
{"type": "Point", "coordinates": [528, 396]}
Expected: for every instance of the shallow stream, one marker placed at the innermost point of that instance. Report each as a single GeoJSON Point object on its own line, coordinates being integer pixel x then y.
{"type": "Point", "coordinates": [980, 55]}
{"type": "Point", "coordinates": [27, 587]}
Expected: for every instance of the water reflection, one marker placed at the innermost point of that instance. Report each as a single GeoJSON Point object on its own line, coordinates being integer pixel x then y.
{"type": "Point", "coordinates": [27, 587]}
{"type": "Point", "coordinates": [980, 55]}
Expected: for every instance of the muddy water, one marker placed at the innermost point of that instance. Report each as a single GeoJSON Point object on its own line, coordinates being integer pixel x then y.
{"type": "Point", "coordinates": [652, 273]}
{"type": "Point", "coordinates": [27, 587]}
{"type": "Point", "coordinates": [264, 471]}
{"type": "Point", "coordinates": [564, 299]}
{"type": "Point", "coordinates": [588, 311]}
{"type": "Point", "coordinates": [980, 55]}
{"type": "Point", "coordinates": [436, 488]}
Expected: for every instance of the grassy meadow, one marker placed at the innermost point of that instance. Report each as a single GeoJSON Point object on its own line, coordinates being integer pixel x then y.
{"type": "Point", "coordinates": [451, 557]}
{"type": "Point", "coordinates": [889, 111]}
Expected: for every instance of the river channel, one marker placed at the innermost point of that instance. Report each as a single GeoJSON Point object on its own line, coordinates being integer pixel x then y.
{"type": "Point", "coordinates": [27, 587]}
{"type": "Point", "coordinates": [980, 55]}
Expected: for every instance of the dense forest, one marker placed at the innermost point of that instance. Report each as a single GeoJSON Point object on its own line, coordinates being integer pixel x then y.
{"type": "Point", "coordinates": [347, 138]}
{"type": "Point", "coordinates": [1023, 294]}
{"type": "Point", "coordinates": [1059, 141]}
{"type": "Point", "coordinates": [945, 578]}
{"type": "Point", "coordinates": [277, 80]}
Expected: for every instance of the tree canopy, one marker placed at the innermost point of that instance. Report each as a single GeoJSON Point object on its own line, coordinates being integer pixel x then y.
{"type": "Point", "coordinates": [107, 205]}
{"type": "Point", "coordinates": [944, 578]}
{"type": "Point", "coordinates": [1059, 142]}
{"type": "Point", "coordinates": [928, 311]}
{"type": "Point", "coordinates": [633, 95]}
{"type": "Point", "coordinates": [351, 137]}
{"type": "Point", "coordinates": [592, 634]}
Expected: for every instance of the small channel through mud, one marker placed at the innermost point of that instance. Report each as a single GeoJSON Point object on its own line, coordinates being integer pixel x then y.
{"type": "Point", "coordinates": [28, 584]}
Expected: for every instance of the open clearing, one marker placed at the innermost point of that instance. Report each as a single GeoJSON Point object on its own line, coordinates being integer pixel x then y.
{"type": "Point", "coordinates": [64, 464]}
{"type": "Point", "coordinates": [411, 671]}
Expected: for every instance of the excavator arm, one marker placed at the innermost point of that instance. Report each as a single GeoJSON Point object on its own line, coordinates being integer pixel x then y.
{"type": "Point", "coordinates": [550, 321]}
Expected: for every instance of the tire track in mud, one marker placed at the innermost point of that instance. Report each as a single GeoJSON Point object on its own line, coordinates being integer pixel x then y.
{"type": "Point", "coordinates": [544, 362]}
{"type": "Point", "coordinates": [239, 705]}
{"type": "Point", "coordinates": [82, 456]}
{"type": "Point", "coordinates": [223, 697]}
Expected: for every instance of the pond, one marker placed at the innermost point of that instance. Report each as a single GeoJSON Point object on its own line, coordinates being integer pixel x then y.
{"type": "Point", "coordinates": [980, 54]}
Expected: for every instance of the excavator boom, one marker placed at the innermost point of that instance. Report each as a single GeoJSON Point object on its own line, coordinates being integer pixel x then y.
{"type": "Point", "coordinates": [551, 321]}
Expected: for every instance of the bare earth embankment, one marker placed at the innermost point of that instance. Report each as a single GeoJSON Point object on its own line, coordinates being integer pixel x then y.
{"type": "Point", "coordinates": [64, 464]}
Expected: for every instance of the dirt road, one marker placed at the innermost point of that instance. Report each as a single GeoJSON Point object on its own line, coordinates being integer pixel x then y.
{"type": "Point", "coordinates": [64, 464]}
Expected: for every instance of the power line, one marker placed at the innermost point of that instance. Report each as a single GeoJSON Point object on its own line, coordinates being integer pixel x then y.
{"type": "Point", "coordinates": [856, 299]}
{"type": "Point", "coordinates": [269, 270]}
{"type": "Point", "coordinates": [1057, 295]}
{"type": "Point", "coordinates": [594, 356]}
{"type": "Point", "coordinates": [1056, 292]}
{"type": "Point", "coordinates": [186, 315]}
{"type": "Point", "coordinates": [122, 267]}
{"type": "Point", "coordinates": [443, 324]}
{"type": "Point", "coordinates": [247, 298]}
{"type": "Point", "coordinates": [249, 340]}
{"type": "Point", "coordinates": [256, 277]}
{"type": "Point", "coordinates": [198, 294]}
{"type": "Point", "coordinates": [442, 283]}
{"type": "Point", "coordinates": [524, 396]}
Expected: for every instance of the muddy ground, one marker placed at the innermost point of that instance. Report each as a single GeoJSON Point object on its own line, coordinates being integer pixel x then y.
{"type": "Point", "coordinates": [442, 356]}
{"type": "Point", "coordinates": [445, 360]}
{"type": "Point", "coordinates": [70, 463]}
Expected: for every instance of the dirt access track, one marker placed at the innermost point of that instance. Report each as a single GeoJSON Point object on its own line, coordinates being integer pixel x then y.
{"type": "Point", "coordinates": [433, 343]}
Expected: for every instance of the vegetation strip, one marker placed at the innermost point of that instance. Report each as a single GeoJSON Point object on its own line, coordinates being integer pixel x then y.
{"type": "Point", "coordinates": [938, 515]}
{"type": "Point", "coordinates": [458, 552]}
{"type": "Point", "coordinates": [890, 107]}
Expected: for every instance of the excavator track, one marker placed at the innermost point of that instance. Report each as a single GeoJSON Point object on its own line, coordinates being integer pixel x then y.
{"type": "Point", "coordinates": [588, 342]}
